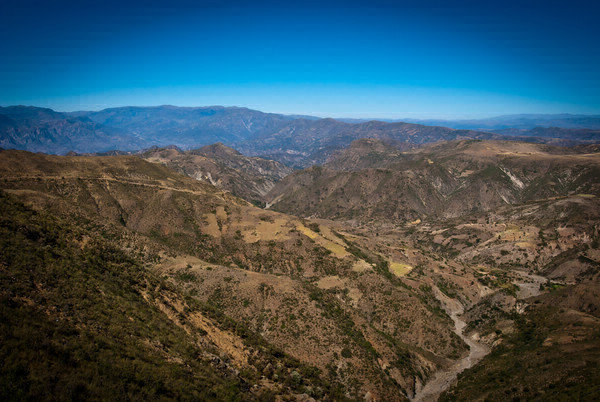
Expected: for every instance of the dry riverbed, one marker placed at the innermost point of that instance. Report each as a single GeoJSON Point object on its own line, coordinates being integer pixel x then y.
{"type": "Point", "coordinates": [444, 378]}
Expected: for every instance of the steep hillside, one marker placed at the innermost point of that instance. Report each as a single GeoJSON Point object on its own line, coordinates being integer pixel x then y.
{"type": "Point", "coordinates": [364, 153]}
{"type": "Point", "coordinates": [314, 296]}
{"type": "Point", "coordinates": [371, 181]}
{"type": "Point", "coordinates": [44, 130]}
{"type": "Point", "coordinates": [247, 177]}
{"type": "Point", "coordinates": [553, 353]}
{"type": "Point", "coordinates": [79, 319]}
{"type": "Point", "coordinates": [491, 263]}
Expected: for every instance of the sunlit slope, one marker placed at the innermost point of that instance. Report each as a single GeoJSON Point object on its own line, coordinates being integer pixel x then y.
{"type": "Point", "coordinates": [372, 181]}
{"type": "Point", "coordinates": [316, 295]}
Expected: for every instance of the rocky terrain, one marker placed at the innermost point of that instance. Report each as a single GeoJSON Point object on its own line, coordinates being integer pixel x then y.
{"type": "Point", "coordinates": [298, 287]}
{"type": "Point", "coordinates": [528, 231]}
{"type": "Point", "coordinates": [388, 273]}
{"type": "Point", "coordinates": [372, 181]}
{"type": "Point", "coordinates": [250, 178]}
{"type": "Point", "coordinates": [552, 354]}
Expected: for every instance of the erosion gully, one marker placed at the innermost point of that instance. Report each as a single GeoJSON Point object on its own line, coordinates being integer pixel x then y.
{"type": "Point", "coordinates": [529, 286]}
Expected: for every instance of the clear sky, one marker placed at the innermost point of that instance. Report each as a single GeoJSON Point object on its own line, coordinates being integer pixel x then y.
{"type": "Point", "coordinates": [445, 59]}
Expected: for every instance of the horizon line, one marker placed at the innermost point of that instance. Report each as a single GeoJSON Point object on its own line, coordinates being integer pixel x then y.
{"type": "Point", "coordinates": [316, 115]}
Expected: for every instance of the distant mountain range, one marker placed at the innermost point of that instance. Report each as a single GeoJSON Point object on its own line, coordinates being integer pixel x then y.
{"type": "Point", "coordinates": [44, 130]}
{"type": "Point", "coordinates": [573, 134]}
{"type": "Point", "coordinates": [189, 126]}
{"type": "Point", "coordinates": [518, 121]}
{"type": "Point", "coordinates": [297, 141]}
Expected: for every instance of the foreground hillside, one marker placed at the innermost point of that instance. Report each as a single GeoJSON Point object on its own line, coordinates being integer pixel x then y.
{"type": "Point", "coordinates": [80, 319]}
{"type": "Point", "coordinates": [312, 296]}
{"type": "Point", "coordinates": [271, 304]}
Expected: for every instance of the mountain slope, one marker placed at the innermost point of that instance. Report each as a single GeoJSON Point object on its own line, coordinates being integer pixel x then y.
{"type": "Point", "coordinates": [247, 177]}
{"type": "Point", "coordinates": [75, 321]}
{"type": "Point", "coordinates": [308, 292]}
{"type": "Point", "coordinates": [371, 181]}
{"type": "Point", "coordinates": [189, 126]}
{"type": "Point", "coordinates": [44, 130]}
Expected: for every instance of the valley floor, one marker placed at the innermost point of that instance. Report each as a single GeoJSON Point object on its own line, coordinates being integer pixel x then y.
{"type": "Point", "coordinates": [442, 380]}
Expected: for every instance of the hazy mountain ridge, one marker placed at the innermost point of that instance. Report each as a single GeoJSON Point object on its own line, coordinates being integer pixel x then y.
{"type": "Point", "coordinates": [518, 121]}
{"type": "Point", "coordinates": [296, 141]}
{"type": "Point", "coordinates": [303, 143]}
{"type": "Point", "coordinates": [577, 134]}
{"type": "Point", "coordinates": [189, 126]}
{"type": "Point", "coordinates": [44, 130]}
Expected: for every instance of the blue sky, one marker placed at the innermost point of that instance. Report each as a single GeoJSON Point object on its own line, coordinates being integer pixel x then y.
{"type": "Point", "coordinates": [354, 59]}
